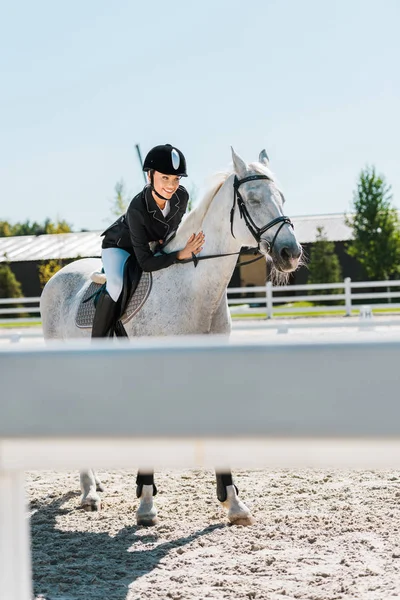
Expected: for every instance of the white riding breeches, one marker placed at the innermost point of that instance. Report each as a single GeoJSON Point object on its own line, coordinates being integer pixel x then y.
{"type": "Point", "coordinates": [114, 260]}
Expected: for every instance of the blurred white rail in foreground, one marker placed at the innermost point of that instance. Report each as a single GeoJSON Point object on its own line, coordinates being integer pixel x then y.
{"type": "Point", "coordinates": [189, 402]}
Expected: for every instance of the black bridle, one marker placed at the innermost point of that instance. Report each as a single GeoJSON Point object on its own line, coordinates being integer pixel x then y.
{"type": "Point", "coordinates": [255, 231]}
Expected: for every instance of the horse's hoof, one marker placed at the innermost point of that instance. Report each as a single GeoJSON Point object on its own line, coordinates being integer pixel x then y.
{"type": "Point", "coordinates": [99, 487]}
{"type": "Point", "coordinates": [146, 513]}
{"type": "Point", "coordinates": [238, 513]}
{"type": "Point", "coordinates": [243, 520]}
{"type": "Point", "coordinates": [91, 504]}
{"type": "Point", "coordinates": [146, 520]}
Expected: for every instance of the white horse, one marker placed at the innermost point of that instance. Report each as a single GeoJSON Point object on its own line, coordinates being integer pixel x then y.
{"type": "Point", "coordinates": [244, 208]}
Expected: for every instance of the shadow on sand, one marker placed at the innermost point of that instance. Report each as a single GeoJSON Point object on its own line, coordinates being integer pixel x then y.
{"type": "Point", "coordinates": [86, 565]}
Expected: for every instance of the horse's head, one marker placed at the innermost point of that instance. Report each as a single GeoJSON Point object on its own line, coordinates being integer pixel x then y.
{"type": "Point", "coordinates": [261, 205]}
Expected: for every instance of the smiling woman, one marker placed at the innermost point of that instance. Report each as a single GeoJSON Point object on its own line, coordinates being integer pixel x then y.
{"type": "Point", "coordinates": [153, 215]}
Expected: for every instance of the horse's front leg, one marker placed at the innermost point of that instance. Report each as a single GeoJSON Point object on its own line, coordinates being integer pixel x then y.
{"type": "Point", "coordinates": [90, 485]}
{"type": "Point", "coordinates": [146, 513]}
{"type": "Point", "coordinates": [228, 495]}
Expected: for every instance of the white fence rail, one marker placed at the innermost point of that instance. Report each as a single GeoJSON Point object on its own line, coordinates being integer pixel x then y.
{"type": "Point", "coordinates": [269, 300]}
{"type": "Point", "coordinates": [241, 405]}
{"type": "Point", "coordinates": [265, 300]}
{"type": "Point", "coordinates": [22, 307]}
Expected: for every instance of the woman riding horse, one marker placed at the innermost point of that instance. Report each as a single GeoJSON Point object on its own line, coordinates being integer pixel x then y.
{"type": "Point", "coordinates": [153, 215]}
{"type": "Point", "coordinates": [243, 208]}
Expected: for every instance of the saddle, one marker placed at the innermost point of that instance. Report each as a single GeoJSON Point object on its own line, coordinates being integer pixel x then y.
{"type": "Point", "coordinates": [136, 289]}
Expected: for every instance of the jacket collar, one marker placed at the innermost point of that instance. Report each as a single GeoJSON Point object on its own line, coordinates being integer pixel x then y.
{"type": "Point", "coordinates": [175, 204]}
{"type": "Point", "coordinates": [154, 209]}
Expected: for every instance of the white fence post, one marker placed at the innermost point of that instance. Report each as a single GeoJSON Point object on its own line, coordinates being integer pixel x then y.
{"type": "Point", "coordinates": [269, 304]}
{"type": "Point", "coordinates": [347, 294]}
{"type": "Point", "coordinates": [15, 571]}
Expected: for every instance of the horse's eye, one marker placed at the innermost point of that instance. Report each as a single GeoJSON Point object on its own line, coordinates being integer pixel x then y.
{"type": "Point", "coordinates": [253, 198]}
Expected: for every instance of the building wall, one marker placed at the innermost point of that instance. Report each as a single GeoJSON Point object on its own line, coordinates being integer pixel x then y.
{"type": "Point", "coordinates": [254, 274]}
{"type": "Point", "coordinates": [27, 274]}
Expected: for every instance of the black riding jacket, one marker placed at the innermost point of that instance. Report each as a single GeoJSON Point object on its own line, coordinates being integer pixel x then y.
{"type": "Point", "coordinates": [144, 222]}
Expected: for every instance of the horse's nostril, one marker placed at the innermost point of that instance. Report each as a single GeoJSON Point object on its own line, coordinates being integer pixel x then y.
{"type": "Point", "coordinates": [285, 254]}
{"type": "Point", "coordinates": [290, 254]}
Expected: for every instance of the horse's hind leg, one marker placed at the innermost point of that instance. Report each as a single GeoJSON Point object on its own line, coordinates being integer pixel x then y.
{"type": "Point", "coordinates": [90, 499]}
{"type": "Point", "coordinates": [227, 494]}
{"type": "Point", "coordinates": [146, 513]}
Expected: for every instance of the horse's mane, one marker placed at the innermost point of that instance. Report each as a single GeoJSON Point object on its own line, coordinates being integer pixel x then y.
{"type": "Point", "coordinates": [195, 218]}
{"type": "Point", "coordinates": [193, 221]}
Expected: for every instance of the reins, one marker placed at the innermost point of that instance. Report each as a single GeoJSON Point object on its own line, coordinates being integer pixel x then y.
{"type": "Point", "coordinates": [196, 259]}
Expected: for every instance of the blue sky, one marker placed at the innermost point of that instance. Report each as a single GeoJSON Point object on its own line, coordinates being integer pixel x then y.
{"type": "Point", "coordinates": [315, 82]}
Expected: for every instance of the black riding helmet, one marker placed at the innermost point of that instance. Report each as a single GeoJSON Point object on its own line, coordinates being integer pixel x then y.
{"type": "Point", "coordinates": [165, 159]}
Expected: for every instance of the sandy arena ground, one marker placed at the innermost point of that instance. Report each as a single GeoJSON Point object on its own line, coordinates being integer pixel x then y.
{"type": "Point", "coordinates": [318, 535]}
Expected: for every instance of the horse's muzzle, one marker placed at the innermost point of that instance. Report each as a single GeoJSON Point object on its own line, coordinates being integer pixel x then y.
{"type": "Point", "coordinates": [286, 258]}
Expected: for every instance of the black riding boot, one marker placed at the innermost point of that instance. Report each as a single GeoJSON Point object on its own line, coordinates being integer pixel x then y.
{"type": "Point", "coordinates": [104, 317]}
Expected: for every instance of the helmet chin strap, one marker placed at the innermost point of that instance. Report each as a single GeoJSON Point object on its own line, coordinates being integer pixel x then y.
{"type": "Point", "coordinates": [157, 194]}
{"type": "Point", "coordinates": [154, 189]}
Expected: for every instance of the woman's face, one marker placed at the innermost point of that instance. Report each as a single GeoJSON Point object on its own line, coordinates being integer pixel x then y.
{"type": "Point", "coordinates": [166, 185]}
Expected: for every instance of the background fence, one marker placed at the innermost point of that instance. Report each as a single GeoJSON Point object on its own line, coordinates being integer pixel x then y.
{"type": "Point", "coordinates": [264, 301]}
{"type": "Point", "coordinates": [19, 310]}
{"type": "Point", "coordinates": [345, 296]}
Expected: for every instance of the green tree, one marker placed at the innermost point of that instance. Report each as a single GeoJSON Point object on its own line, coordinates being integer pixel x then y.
{"type": "Point", "coordinates": [10, 287]}
{"type": "Point", "coordinates": [35, 228]}
{"type": "Point", "coordinates": [47, 269]}
{"type": "Point", "coordinates": [57, 227]}
{"type": "Point", "coordinates": [324, 266]}
{"type": "Point", "coordinates": [376, 227]}
{"type": "Point", "coordinates": [5, 229]}
{"type": "Point", "coordinates": [27, 228]}
{"type": "Point", "coordinates": [120, 202]}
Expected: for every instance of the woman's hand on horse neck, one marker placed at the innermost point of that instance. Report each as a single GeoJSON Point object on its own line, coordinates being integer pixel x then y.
{"type": "Point", "coordinates": [194, 246]}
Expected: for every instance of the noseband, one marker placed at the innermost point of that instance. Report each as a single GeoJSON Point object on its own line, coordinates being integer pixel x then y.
{"type": "Point", "coordinates": [255, 231]}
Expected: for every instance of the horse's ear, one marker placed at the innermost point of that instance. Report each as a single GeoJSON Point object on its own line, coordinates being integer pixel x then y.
{"type": "Point", "coordinates": [239, 164]}
{"type": "Point", "coordinates": [263, 158]}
